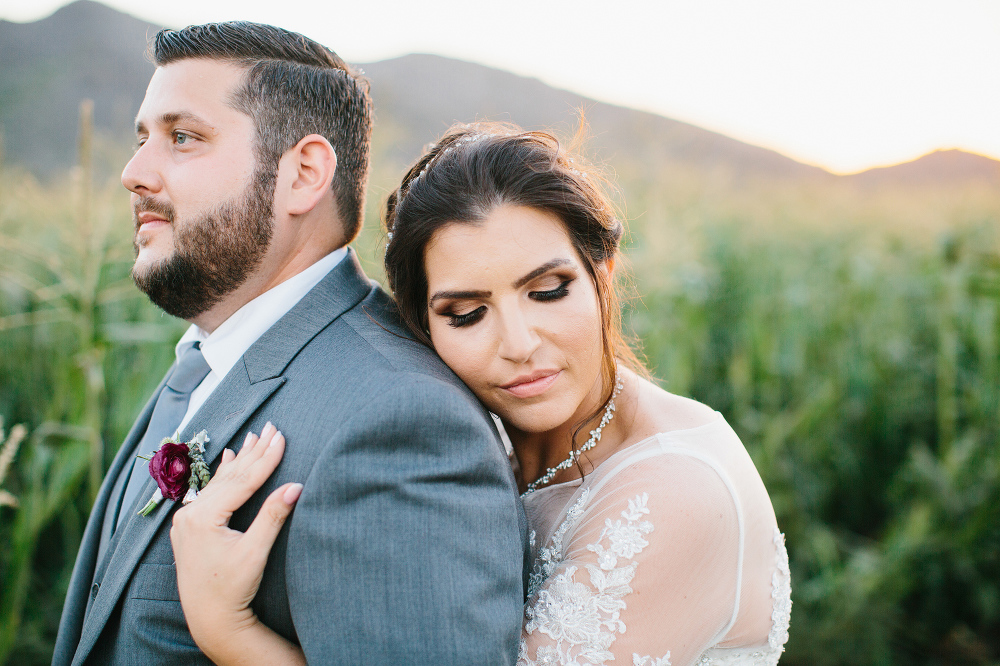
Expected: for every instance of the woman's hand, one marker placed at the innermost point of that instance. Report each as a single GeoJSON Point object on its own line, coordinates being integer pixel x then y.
{"type": "Point", "coordinates": [219, 569]}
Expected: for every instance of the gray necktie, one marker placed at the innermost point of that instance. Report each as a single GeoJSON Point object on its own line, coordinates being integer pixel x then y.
{"type": "Point", "coordinates": [167, 415]}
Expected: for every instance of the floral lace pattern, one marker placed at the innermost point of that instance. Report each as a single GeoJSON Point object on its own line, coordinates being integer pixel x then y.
{"type": "Point", "coordinates": [781, 594]}
{"type": "Point", "coordinates": [550, 556]}
{"type": "Point", "coordinates": [584, 620]}
{"type": "Point", "coordinates": [650, 661]}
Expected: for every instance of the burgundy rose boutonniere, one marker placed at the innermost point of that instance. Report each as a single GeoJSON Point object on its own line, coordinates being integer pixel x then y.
{"type": "Point", "coordinates": [179, 470]}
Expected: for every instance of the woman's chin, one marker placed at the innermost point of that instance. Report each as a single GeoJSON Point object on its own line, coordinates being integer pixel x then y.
{"type": "Point", "coordinates": [533, 419]}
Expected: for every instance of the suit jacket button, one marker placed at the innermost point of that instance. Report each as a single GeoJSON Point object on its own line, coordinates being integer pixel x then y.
{"type": "Point", "coordinates": [93, 590]}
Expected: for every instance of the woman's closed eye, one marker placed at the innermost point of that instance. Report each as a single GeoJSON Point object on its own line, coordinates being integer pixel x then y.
{"type": "Point", "coordinates": [552, 294]}
{"type": "Point", "coordinates": [460, 320]}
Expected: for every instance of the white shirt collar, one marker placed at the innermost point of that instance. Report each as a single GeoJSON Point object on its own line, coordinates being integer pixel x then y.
{"type": "Point", "coordinates": [227, 344]}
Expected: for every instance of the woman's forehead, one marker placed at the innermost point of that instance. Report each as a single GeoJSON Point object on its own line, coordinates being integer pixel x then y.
{"type": "Point", "coordinates": [510, 240]}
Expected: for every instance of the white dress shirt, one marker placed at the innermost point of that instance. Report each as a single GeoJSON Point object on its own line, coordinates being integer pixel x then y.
{"type": "Point", "coordinates": [224, 346]}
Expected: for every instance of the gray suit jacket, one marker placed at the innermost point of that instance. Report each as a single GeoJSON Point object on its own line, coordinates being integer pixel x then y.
{"type": "Point", "coordinates": [407, 544]}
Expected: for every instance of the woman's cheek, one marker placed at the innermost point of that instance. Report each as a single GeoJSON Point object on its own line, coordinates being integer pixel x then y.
{"type": "Point", "coordinates": [454, 350]}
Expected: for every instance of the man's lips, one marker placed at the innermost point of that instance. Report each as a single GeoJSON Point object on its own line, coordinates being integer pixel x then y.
{"type": "Point", "coordinates": [529, 386]}
{"type": "Point", "coordinates": [148, 219]}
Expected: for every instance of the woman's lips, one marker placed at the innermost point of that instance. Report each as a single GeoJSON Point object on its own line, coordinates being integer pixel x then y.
{"type": "Point", "coordinates": [532, 387]}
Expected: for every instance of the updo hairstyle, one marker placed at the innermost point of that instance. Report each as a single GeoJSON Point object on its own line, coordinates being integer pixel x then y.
{"type": "Point", "coordinates": [476, 168]}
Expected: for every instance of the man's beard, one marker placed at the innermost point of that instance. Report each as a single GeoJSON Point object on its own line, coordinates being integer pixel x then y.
{"type": "Point", "coordinates": [213, 254]}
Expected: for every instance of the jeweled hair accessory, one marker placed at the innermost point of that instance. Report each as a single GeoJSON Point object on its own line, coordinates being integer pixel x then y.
{"type": "Point", "coordinates": [471, 137]}
{"type": "Point", "coordinates": [468, 138]}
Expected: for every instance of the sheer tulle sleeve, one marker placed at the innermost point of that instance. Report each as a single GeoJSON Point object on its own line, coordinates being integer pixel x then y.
{"type": "Point", "coordinates": [642, 569]}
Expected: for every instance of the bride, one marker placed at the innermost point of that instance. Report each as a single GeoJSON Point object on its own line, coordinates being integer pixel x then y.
{"type": "Point", "coordinates": [654, 541]}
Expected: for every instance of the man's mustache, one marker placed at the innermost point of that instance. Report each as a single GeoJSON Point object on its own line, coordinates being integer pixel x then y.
{"type": "Point", "coordinates": [150, 205]}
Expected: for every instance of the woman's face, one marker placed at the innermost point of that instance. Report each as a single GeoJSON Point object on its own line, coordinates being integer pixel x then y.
{"type": "Point", "coordinates": [513, 311]}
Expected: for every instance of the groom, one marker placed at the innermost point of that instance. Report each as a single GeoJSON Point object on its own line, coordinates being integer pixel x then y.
{"type": "Point", "coordinates": [406, 544]}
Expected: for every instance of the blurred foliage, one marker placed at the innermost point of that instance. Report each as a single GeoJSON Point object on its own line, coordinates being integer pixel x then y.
{"type": "Point", "coordinates": [80, 351]}
{"type": "Point", "coordinates": [851, 338]}
{"type": "Point", "coordinates": [864, 380]}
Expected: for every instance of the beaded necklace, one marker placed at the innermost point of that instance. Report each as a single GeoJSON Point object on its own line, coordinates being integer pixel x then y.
{"type": "Point", "coordinates": [574, 455]}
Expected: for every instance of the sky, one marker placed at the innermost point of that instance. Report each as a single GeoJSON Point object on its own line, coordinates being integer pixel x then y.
{"type": "Point", "coordinates": [842, 84]}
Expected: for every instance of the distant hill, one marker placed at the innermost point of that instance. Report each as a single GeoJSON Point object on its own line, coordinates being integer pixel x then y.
{"type": "Point", "coordinates": [87, 50]}
{"type": "Point", "coordinates": [83, 50]}
{"type": "Point", "coordinates": [937, 168]}
{"type": "Point", "coordinates": [426, 93]}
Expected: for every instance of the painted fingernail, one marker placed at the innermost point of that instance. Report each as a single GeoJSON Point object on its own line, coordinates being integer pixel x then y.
{"type": "Point", "coordinates": [274, 439]}
{"type": "Point", "coordinates": [292, 493]}
{"type": "Point", "coordinates": [268, 429]}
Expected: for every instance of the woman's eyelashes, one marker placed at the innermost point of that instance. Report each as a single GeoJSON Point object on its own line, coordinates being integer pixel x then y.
{"type": "Point", "coordinates": [552, 294]}
{"type": "Point", "coordinates": [467, 319]}
{"type": "Point", "coordinates": [456, 320]}
{"type": "Point", "coordinates": [459, 320]}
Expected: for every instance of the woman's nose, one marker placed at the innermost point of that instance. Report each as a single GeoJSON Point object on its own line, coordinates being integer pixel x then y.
{"type": "Point", "coordinates": [518, 339]}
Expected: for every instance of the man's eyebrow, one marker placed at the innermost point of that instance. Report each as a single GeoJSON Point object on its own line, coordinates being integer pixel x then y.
{"type": "Point", "coordinates": [458, 295]}
{"type": "Point", "coordinates": [172, 118]}
{"type": "Point", "coordinates": [541, 270]}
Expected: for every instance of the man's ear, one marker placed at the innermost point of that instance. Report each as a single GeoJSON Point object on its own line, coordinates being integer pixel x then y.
{"type": "Point", "coordinates": [311, 164]}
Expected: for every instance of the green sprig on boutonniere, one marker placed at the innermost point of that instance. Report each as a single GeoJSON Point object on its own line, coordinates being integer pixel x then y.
{"type": "Point", "coordinates": [179, 469]}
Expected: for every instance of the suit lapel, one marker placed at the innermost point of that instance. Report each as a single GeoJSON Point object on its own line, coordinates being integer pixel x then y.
{"type": "Point", "coordinates": [108, 499]}
{"type": "Point", "coordinates": [231, 405]}
{"type": "Point", "coordinates": [78, 596]}
{"type": "Point", "coordinates": [228, 409]}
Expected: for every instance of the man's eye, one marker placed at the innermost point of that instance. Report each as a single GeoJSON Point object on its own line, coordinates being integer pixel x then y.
{"type": "Point", "coordinates": [460, 320]}
{"type": "Point", "coordinates": [180, 138]}
{"type": "Point", "coordinates": [552, 294]}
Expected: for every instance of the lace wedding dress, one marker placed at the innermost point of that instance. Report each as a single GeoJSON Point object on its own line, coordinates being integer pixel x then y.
{"type": "Point", "coordinates": [667, 554]}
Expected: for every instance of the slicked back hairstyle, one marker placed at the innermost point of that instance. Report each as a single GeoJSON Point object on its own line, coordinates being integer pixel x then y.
{"type": "Point", "coordinates": [293, 87]}
{"type": "Point", "coordinates": [476, 168]}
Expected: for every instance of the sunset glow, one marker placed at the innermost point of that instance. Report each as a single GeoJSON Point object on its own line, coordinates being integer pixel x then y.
{"type": "Point", "coordinates": [845, 85]}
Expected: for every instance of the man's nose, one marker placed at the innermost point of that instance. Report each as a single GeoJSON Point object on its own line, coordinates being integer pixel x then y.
{"type": "Point", "coordinates": [140, 174]}
{"type": "Point", "coordinates": [518, 339]}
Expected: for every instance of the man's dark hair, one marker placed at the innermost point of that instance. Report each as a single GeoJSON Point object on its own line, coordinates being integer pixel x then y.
{"type": "Point", "coordinates": [294, 87]}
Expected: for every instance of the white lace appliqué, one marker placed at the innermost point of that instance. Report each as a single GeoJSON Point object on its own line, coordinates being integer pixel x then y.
{"type": "Point", "coordinates": [583, 620]}
{"type": "Point", "coordinates": [550, 556]}
{"type": "Point", "coordinates": [650, 661]}
{"type": "Point", "coordinates": [781, 593]}
{"type": "Point", "coordinates": [781, 614]}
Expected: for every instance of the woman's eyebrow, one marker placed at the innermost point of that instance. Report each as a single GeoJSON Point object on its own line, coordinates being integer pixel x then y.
{"type": "Point", "coordinates": [459, 295]}
{"type": "Point", "coordinates": [541, 270]}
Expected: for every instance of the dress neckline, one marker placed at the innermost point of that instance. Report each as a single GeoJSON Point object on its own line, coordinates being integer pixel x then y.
{"type": "Point", "coordinates": [718, 417]}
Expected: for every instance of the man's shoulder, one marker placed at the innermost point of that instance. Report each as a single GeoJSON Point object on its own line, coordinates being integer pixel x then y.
{"type": "Point", "coordinates": [382, 341]}
{"type": "Point", "coordinates": [366, 369]}
{"type": "Point", "coordinates": [369, 344]}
